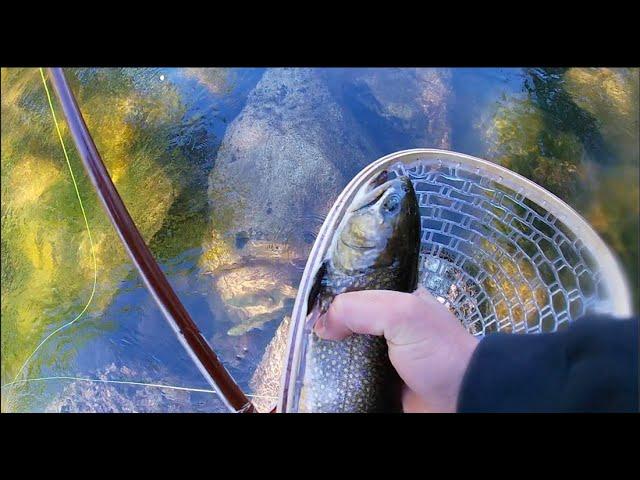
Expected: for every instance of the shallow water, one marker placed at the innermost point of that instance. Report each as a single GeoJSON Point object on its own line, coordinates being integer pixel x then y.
{"type": "Point", "coordinates": [228, 173]}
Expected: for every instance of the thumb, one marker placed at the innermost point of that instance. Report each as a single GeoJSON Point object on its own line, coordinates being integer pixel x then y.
{"type": "Point", "coordinates": [396, 315]}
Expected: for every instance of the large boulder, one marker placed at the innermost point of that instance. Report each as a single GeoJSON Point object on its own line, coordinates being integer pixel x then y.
{"type": "Point", "coordinates": [276, 175]}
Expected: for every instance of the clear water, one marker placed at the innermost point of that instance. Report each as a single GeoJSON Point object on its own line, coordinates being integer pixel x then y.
{"type": "Point", "coordinates": [228, 173]}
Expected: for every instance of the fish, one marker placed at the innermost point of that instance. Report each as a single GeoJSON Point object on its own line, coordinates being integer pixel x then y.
{"type": "Point", "coordinates": [376, 246]}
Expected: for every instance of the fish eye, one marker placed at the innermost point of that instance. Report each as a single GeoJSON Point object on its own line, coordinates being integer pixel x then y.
{"type": "Point", "coordinates": [392, 203]}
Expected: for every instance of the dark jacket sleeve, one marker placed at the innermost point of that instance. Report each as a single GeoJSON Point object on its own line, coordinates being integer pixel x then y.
{"type": "Point", "coordinates": [592, 366]}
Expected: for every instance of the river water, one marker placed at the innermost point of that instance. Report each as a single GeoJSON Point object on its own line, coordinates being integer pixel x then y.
{"type": "Point", "coordinates": [228, 174]}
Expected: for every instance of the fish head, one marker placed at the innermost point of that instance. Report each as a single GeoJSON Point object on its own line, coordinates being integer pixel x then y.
{"type": "Point", "coordinates": [381, 227]}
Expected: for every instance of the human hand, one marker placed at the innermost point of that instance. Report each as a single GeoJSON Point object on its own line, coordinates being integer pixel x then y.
{"type": "Point", "coordinates": [428, 346]}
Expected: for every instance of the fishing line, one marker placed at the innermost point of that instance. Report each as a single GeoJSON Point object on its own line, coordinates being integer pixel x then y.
{"type": "Point", "coordinates": [126, 382]}
{"type": "Point", "coordinates": [86, 222]}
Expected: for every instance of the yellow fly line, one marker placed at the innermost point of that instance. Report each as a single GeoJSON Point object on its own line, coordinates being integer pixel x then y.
{"type": "Point", "coordinates": [86, 223]}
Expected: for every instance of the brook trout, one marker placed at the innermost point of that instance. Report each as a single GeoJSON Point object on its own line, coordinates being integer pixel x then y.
{"type": "Point", "coordinates": [376, 246]}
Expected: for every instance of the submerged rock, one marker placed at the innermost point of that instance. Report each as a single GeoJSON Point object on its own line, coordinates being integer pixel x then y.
{"type": "Point", "coordinates": [400, 108]}
{"type": "Point", "coordinates": [276, 175]}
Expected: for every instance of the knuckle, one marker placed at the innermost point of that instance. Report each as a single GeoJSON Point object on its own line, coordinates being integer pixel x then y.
{"type": "Point", "coordinates": [411, 305]}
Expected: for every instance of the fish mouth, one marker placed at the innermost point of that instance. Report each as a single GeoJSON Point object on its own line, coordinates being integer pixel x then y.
{"type": "Point", "coordinates": [364, 204]}
{"type": "Point", "coordinates": [366, 247]}
{"type": "Point", "coordinates": [375, 190]}
{"type": "Point", "coordinates": [379, 179]}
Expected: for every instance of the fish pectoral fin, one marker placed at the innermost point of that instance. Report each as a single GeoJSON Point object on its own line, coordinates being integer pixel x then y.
{"type": "Point", "coordinates": [312, 301]}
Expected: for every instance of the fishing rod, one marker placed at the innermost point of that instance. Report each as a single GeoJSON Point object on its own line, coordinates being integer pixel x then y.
{"type": "Point", "coordinates": [154, 278]}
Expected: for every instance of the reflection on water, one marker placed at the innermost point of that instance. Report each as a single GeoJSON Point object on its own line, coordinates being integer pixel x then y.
{"type": "Point", "coordinates": [228, 174]}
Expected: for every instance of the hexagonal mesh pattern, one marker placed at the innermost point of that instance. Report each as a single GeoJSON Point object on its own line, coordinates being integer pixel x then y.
{"type": "Point", "coordinates": [499, 260]}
